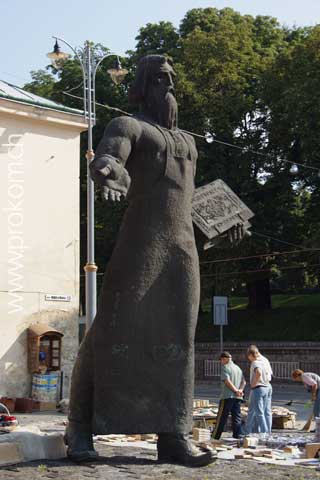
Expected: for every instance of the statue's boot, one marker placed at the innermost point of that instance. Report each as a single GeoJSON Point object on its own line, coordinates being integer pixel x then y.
{"type": "Point", "coordinates": [177, 448]}
{"type": "Point", "coordinates": [78, 437]}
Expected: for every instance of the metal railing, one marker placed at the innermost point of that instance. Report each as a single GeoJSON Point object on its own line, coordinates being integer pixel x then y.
{"type": "Point", "coordinates": [212, 368]}
{"type": "Point", "coordinates": [281, 370]}
{"type": "Point", "coordinates": [284, 369]}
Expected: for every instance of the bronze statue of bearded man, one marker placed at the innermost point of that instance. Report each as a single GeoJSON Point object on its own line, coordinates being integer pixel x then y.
{"type": "Point", "coordinates": [135, 368]}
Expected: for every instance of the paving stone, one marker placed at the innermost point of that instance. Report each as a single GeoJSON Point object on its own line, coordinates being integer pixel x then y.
{"type": "Point", "coordinates": [119, 463]}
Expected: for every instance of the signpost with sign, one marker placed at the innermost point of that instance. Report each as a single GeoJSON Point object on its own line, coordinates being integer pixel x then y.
{"type": "Point", "coordinates": [220, 315]}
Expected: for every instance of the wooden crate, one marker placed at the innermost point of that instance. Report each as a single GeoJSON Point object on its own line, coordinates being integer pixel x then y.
{"type": "Point", "coordinates": [44, 406]}
{"type": "Point", "coordinates": [284, 422]}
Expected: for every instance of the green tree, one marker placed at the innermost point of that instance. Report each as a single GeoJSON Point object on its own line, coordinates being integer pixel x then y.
{"type": "Point", "coordinates": [251, 83]}
{"type": "Point", "coordinates": [224, 56]}
{"type": "Point", "coordinates": [156, 38]}
{"type": "Point", "coordinates": [42, 83]}
{"type": "Point", "coordinates": [290, 90]}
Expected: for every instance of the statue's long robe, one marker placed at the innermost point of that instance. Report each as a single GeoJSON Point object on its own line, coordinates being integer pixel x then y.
{"type": "Point", "coordinates": [135, 369]}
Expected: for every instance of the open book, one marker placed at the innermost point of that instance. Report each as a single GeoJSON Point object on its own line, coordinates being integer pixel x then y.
{"type": "Point", "coordinates": [216, 209]}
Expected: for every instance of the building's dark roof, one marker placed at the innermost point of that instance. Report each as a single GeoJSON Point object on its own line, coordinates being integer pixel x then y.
{"type": "Point", "coordinates": [12, 92]}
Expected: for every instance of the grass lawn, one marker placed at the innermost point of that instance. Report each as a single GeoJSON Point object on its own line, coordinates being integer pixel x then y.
{"type": "Point", "coordinates": [292, 318]}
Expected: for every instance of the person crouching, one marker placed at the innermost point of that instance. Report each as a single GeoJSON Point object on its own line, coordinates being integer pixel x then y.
{"type": "Point", "coordinates": [312, 382]}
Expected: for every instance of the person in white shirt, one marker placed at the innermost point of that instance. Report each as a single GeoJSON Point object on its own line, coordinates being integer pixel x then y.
{"type": "Point", "coordinates": [260, 411]}
{"type": "Point", "coordinates": [310, 381]}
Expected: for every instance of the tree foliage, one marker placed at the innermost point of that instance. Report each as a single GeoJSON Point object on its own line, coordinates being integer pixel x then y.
{"type": "Point", "coordinates": [254, 84]}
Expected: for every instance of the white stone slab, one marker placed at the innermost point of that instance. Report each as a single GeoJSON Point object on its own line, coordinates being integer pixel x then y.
{"type": "Point", "coordinates": [36, 445]}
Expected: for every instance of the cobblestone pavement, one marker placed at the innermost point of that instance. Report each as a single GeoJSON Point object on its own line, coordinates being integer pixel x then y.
{"type": "Point", "coordinates": [118, 463]}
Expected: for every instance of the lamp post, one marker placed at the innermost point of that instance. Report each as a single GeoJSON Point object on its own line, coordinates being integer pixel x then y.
{"type": "Point", "coordinates": [89, 65]}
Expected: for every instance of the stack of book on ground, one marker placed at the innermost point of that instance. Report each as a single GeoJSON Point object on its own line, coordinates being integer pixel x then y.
{"type": "Point", "coordinates": [205, 415]}
{"type": "Point", "coordinates": [285, 451]}
{"type": "Point", "coordinates": [115, 438]}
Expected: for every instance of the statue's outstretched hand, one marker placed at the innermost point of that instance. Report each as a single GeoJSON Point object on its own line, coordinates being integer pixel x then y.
{"type": "Point", "coordinates": [113, 177]}
{"type": "Point", "coordinates": [110, 194]}
{"type": "Point", "coordinates": [237, 233]}
{"type": "Point", "coordinates": [234, 235]}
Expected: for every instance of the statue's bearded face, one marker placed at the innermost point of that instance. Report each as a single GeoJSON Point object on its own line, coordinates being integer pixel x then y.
{"type": "Point", "coordinates": [160, 101]}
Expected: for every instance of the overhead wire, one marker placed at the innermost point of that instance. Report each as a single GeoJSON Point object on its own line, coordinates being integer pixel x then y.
{"type": "Point", "coordinates": [108, 107]}
{"type": "Point", "coordinates": [241, 272]}
{"type": "Point", "coordinates": [66, 92]}
{"type": "Point", "coordinates": [100, 104]}
{"type": "Point", "coordinates": [291, 267]}
{"type": "Point", "coordinates": [276, 239]}
{"type": "Point", "coordinates": [263, 255]}
{"type": "Point", "coordinates": [249, 150]}
{"type": "Point", "coordinates": [205, 137]}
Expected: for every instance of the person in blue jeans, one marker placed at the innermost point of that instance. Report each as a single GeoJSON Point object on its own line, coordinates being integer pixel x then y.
{"type": "Point", "coordinates": [232, 385]}
{"type": "Point", "coordinates": [259, 418]}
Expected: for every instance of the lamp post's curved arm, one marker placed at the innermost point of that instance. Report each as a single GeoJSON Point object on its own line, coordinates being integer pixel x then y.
{"type": "Point", "coordinates": [74, 51]}
{"type": "Point", "coordinates": [82, 68]}
{"type": "Point", "coordinates": [100, 61]}
{"type": "Point", "coordinates": [94, 79]}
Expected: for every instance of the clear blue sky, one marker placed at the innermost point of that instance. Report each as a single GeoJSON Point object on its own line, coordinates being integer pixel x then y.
{"type": "Point", "coordinates": [27, 25]}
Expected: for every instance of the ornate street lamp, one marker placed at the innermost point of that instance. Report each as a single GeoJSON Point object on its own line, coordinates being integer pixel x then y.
{"type": "Point", "coordinates": [56, 55]}
{"type": "Point", "coordinates": [89, 65]}
{"type": "Point", "coordinates": [118, 73]}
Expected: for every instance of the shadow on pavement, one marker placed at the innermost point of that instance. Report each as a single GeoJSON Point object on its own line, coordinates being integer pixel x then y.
{"type": "Point", "coordinates": [117, 461]}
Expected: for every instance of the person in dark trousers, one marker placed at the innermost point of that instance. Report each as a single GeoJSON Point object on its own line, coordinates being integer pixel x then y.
{"type": "Point", "coordinates": [232, 386]}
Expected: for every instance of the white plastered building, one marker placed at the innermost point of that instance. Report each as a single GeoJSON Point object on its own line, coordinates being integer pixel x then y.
{"type": "Point", "coordinates": [39, 225]}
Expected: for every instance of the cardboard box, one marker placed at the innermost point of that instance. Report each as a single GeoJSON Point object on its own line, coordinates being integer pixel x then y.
{"type": "Point", "coordinates": [312, 450]}
{"type": "Point", "coordinates": [291, 449]}
{"type": "Point", "coordinates": [242, 456]}
{"type": "Point", "coordinates": [262, 452]}
{"type": "Point", "coordinates": [24, 405]}
{"type": "Point", "coordinates": [284, 422]}
{"type": "Point", "coordinates": [250, 442]}
{"type": "Point", "coordinates": [10, 454]}
{"type": "Point", "coordinates": [9, 403]}
{"type": "Point", "coordinates": [249, 452]}
{"type": "Point", "coordinates": [201, 435]}
{"type": "Point", "coordinates": [44, 406]}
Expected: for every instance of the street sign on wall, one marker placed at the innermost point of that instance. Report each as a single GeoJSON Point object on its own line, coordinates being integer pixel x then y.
{"type": "Point", "coordinates": [57, 298]}
{"type": "Point", "coordinates": [220, 310]}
